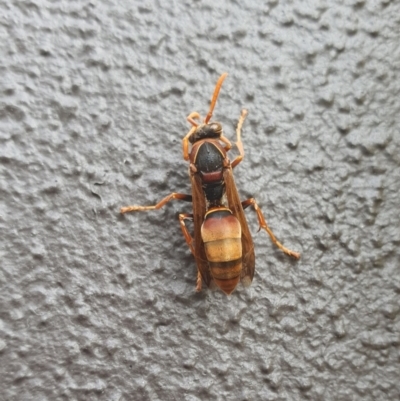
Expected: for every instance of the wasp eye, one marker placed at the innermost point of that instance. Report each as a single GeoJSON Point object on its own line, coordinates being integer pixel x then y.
{"type": "Point", "coordinates": [216, 127]}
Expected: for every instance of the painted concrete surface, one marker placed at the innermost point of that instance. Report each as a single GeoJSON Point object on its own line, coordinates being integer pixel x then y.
{"type": "Point", "coordinates": [93, 101]}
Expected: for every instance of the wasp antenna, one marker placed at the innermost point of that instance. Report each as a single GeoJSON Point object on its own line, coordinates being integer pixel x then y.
{"type": "Point", "coordinates": [192, 116]}
{"type": "Point", "coordinates": [215, 96]}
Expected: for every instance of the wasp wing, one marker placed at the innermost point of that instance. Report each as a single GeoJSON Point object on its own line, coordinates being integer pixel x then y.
{"type": "Point", "coordinates": [199, 211]}
{"type": "Point", "coordinates": [235, 205]}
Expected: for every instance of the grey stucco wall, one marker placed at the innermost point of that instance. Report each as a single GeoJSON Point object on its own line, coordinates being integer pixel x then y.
{"type": "Point", "coordinates": [98, 306]}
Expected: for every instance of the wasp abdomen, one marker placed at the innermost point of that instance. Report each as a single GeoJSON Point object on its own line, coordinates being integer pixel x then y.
{"type": "Point", "coordinates": [221, 233]}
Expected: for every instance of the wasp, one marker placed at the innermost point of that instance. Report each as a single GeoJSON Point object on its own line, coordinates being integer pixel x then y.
{"type": "Point", "coordinates": [222, 244]}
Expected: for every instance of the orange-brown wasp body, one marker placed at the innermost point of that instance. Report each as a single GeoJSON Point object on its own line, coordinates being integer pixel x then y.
{"type": "Point", "coordinates": [222, 243]}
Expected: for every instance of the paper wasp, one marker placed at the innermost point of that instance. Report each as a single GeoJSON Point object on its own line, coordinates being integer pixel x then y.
{"type": "Point", "coordinates": [222, 243]}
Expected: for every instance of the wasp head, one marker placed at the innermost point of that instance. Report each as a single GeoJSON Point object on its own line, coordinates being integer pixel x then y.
{"type": "Point", "coordinates": [212, 130]}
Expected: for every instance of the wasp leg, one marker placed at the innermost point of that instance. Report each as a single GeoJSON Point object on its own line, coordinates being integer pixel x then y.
{"type": "Point", "coordinates": [191, 118]}
{"type": "Point", "coordinates": [239, 142]}
{"type": "Point", "coordinates": [226, 141]}
{"type": "Point", "coordinates": [174, 195]}
{"type": "Point", "coordinates": [185, 143]}
{"type": "Point", "coordinates": [198, 281]}
{"type": "Point", "coordinates": [186, 234]}
{"type": "Point", "coordinates": [263, 224]}
{"type": "Point", "coordinates": [189, 241]}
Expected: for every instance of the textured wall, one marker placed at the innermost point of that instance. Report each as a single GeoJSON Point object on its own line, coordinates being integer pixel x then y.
{"type": "Point", "coordinates": [98, 306]}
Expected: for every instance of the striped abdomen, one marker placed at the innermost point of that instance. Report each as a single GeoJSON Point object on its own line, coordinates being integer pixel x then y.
{"type": "Point", "coordinates": [221, 234]}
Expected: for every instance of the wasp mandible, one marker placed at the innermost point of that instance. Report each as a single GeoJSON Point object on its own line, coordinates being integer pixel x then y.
{"type": "Point", "coordinates": [222, 243]}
